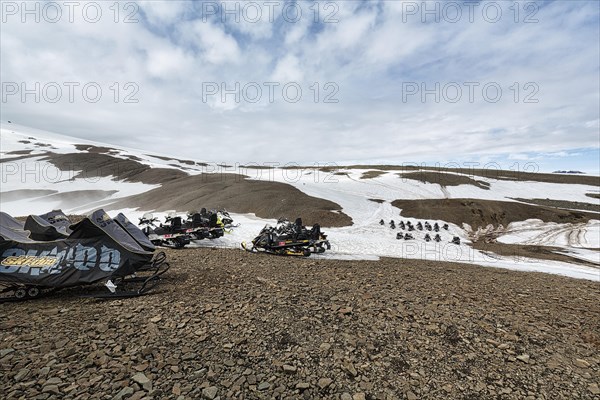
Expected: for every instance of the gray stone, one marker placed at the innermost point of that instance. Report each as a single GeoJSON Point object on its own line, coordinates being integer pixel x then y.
{"type": "Point", "coordinates": [210, 392]}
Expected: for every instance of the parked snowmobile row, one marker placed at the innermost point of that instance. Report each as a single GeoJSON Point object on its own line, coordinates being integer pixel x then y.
{"type": "Point", "coordinates": [420, 226]}
{"type": "Point", "coordinates": [52, 254]}
{"type": "Point", "coordinates": [290, 239]}
{"type": "Point", "coordinates": [177, 233]}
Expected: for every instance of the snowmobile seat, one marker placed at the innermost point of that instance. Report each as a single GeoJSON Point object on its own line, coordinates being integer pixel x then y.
{"type": "Point", "coordinates": [176, 225]}
{"type": "Point", "coordinates": [315, 232]}
{"type": "Point", "coordinates": [213, 220]}
{"type": "Point", "coordinates": [196, 220]}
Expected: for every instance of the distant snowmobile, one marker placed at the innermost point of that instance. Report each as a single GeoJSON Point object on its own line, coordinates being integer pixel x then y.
{"type": "Point", "coordinates": [173, 235]}
{"type": "Point", "coordinates": [437, 238]}
{"type": "Point", "coordinates": [455, 240]}
{"type": "Point", "coordinates": [408, 236]}
{"type": "Point", "coordinates": [290, 239]}
{"type": "Point", "coordinates": [420, 226]}
{"type": "Point", "coordinates": [203, 225]}
{"type": "Point", "coordinates": [427, 237]}
{"type": "Point", "coordinates": [446, 226]}
{"type": "Point", "coordinates": [399, 236]}
{"type": "Point", "coordinates": [97, 249]}
{"type": "Point", "coordinates": [402, 225]}
{"type": "Point", "coordinates": [392, 224]}
{"type": "Point", "coordinates": [436, 227]}
{"type": "Point", "coordinates": [428, 226]}
{"type": "Point", "coordinates": [382, 222]}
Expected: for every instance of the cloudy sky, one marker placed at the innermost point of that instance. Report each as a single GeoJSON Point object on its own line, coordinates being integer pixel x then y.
{"type": "Point", "coordinates": [345, 81]}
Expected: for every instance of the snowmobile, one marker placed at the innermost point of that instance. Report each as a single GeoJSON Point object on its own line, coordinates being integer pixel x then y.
{"type": "Point", "coordinates": [408, 236]}
{"type": "Point", "coordinates": [382, 222]}
{"type": "Point", "coordinates": [455, 240]}
{"type": "Point", "coordinates": [97, 249]}
{"type": "Point", "coordinates": [203, 225]}
{"type": "Point", "coordinates": [410, 226]}
{"type": "Point", "coordinates": [399, 236]}
{"type": "Point", "coordinates": [420, 226]}
{"type": "Point", "coordinates": [290, 239]}
{"type": "Point", "coordinates": [401, 225]}
{"type": "Point", "coordinates": [392, 224]}
{"type": "Point", "coordinates": [427, 226]}
{"type": "Point", "coordinates": [446, 226]}
{"type": "Point", "coordinates": [436, 227]}
{"type": "Point", "coordinates": [437, 238]}
{"type": "Point", "coordinates": [225, 219]}
{"type": "Point", "coordinates": [427, 237]}
{"type": "Point", "coordinates": [50, 226]}
{"type": "Point", "coordinates": [173, 235]}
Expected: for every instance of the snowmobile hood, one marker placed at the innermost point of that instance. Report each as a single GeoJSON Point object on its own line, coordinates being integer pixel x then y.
{"type": "Point", "coordinates": [99, 224]}
{"type": "Point", "coordinates": [135, 232]}
{"type": "Point", "coordinates": [9, 222]}
{"type": "Point", "coordinates": [19, 235]}
{"type": "Point", "coordinates": [43, 230]}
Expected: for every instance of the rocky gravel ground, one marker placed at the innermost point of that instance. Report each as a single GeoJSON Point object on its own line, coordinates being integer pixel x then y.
{"type": "Point", "coordinates": [228, 324]}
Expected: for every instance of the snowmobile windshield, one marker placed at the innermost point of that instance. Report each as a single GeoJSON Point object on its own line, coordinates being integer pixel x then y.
{"type": "Point", "coordinates": [99, 224]}
{"type": "Point", "coordinates": [9, 222]}
{"type": "Point", "coordinates": [135, 232]}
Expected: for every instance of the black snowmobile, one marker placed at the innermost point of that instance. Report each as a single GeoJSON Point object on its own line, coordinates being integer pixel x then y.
{"type": "Point", "coordinates": [401, 225]}
{"type": "Point", "coordinates": [427, 225]}
{"type": "Point", "coordinates": [427, 237]}
{"type": "Point", "coordinates": [204, 225]}
{"type": "Point", "coordinates": [392, 224]}
{"type": "Point", "coordinates": [436, 227]}
{"type": "Point", "coordinates": [420, 226]}
{"type": "Point", "coordinates": [437, 238]}
{"type": "Point", "coordinates": [97, 249]}
{"type": "Point", "coordinates": [173, 235]}
{"type": "Point", "coordinates": [290, 239]}
{"type": "Point", "coordinates": [455, 240]}
{"type": "Point", "coordinates": [382, 222]}
{"type": "Point", "coordinates": [399, 236]}
{"type": "Point", "coordinates": [446, 226]}
{"type": "Point", "coordinates": [408, 236]}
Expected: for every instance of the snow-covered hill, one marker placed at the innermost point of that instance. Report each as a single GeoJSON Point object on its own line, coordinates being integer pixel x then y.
{"type": "Point", "coordinates": [43, 171]}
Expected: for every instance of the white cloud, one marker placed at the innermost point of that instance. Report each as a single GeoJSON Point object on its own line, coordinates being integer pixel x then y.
{"type": "Point", "coordinates": [369, 54]}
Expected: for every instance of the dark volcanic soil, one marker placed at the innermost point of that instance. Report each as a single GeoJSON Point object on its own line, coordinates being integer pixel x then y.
{"type": "Point", "coordinates": [229, 324]}
{"type": "Point", "coordinates": [240, 195]}
{"type": "Point", "coordinates": [480, 213]}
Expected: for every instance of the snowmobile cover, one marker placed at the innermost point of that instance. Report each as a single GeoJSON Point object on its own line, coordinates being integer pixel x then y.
{"type": "Point", "coordinates": [135, 232]}
{"type": "Point", "coordinates": [14, 234]}
{"type": "Point", "coordinates": [51, 226]}
{"type": "Point", "coordinates": [9, 222]}
{"type": "Point", "coordinates": [98, 248]}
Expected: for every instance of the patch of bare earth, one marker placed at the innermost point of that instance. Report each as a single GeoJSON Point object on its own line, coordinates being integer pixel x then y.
{"type": "Point", "coordinates": [94, 165]}
{"type": "Point", "coordinates": [371, 174]}
{"type": "Point", "coordinates": [237, 194]}
{"type": "Point", "coordinates": [480, 213]}
{"type": "Point", "coordinates": [444, 179]}
{"type": "Point", "coordinates": [573, 205]}
{"type": "Point", "coordinates": [517, 252]}
{"type": "Point", "coordinates": [236, 325]}
{"type": "Point", "coordinates": [489, 174]}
